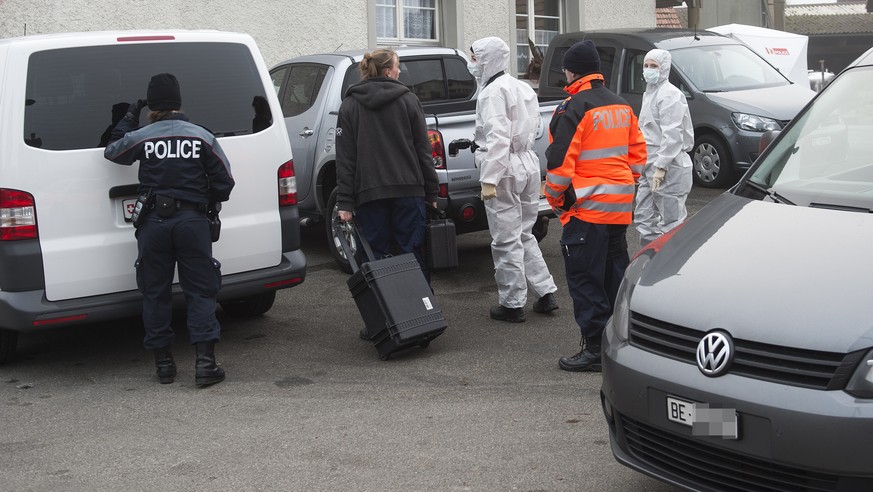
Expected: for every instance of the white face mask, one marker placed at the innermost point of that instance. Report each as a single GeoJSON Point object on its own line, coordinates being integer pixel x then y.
{"type": "Point", "coordinates": [474, 69]}
{"type": "Point", "coordinates": [651, 75]}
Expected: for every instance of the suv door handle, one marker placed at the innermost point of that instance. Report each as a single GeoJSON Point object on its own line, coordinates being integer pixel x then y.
{"type": "Point", "coordinates": [306, 132]}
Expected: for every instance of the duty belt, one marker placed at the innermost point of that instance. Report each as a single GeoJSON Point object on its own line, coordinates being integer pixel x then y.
{"type": "Point", "coordinates": [183, 205]}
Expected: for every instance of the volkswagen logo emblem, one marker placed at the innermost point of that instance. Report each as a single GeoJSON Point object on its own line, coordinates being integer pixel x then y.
{"type": "Point", "coordinates": [715, 353]}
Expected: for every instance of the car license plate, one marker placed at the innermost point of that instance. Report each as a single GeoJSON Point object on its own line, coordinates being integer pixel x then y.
{"type": "Point", "coordinates": [680, 411]}
{"type": "Point", "coordinates": [127, 207]}
{"type": "Point", "coordinates": [703, 420]}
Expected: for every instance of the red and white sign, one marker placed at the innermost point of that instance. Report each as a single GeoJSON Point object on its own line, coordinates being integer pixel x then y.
{"type": "Point", "coordinates": [777, 51]}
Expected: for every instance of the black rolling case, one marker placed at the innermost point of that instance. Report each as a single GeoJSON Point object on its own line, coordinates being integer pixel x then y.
{"type": "Point", "coordinates": [394, 299]}
{"type": "Point", "coordinates": [441, 250]}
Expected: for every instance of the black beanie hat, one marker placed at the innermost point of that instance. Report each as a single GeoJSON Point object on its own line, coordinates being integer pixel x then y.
{"type": "Point", "coordinates": [582, 58]}
{"type": "Point", "coordinates": [164, 93]}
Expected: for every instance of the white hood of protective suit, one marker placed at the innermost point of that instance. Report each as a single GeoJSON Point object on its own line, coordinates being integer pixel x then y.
{"type": "Point", "coordinates": [664, 61]}
{"type": "Point", "coordinates": [492, 56]}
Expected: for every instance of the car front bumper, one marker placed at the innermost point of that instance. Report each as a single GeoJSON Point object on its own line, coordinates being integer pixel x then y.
{"type": "Point", "coordinates": [790, 438]}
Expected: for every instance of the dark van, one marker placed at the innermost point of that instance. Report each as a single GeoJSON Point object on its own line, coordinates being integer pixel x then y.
{"type": "Point", "coordinates": [734, 95]}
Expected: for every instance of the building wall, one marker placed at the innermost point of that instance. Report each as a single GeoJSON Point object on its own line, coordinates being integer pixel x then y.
{"type": "Point", "coordinates": [720, 12]}
{"type": "Point", "coordinates": [282, 29]}
{"type": "Point", "coordinates": [596, 15]}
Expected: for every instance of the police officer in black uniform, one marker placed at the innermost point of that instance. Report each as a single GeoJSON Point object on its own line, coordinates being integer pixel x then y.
{"type": "Point", "coordinates": [183, 173]}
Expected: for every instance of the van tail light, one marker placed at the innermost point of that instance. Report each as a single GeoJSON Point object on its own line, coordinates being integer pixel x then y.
{"type": "Point", "coordinates": [444, 191]}
{"type": "Point", "coordinates": [17, 215]}
{"type": "Point", "coordinates": [438, 150]}
{"type": "Point", "coordinates": [287, 184]}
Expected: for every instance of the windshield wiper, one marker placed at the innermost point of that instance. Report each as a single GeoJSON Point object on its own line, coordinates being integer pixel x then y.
{"type": "Point", "coordinates": [844, 208]}
{"type": "Point", "coordinates": [770, 192]}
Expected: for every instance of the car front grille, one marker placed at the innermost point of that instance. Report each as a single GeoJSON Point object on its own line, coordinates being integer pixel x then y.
{"type": "Point", "coordinates": [702, 465]}
{"type": "Point", "coordinates": [796, 367]}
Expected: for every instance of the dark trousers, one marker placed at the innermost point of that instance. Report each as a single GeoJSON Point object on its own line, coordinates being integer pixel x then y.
{"type": "Point", "coordinates": [395, 221]}
{"type": "Point", "coordinates": [595, 257]}
{"type": "Point", "coordinates": [163, 243]}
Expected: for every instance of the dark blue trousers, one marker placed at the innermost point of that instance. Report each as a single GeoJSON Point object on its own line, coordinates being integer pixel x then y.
{"type": "Point", "coordinates": [164, 243]}
{"type": "Point", "coordinates": [401, 220]}
{"type": "Point", "coordinates": [595, 258]}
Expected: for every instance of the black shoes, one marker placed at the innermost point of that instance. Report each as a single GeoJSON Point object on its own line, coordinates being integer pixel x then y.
{"type": "Point", "coordinates": [206, 370]}
{"type": "Point", "coordinates": [513, 315]}
{"type": "Point", "coordinates": [545, 304]}
{"type": "Point", "coordinates": [166, 366]}
{"type": "Point", "coordinates": [588, 359]}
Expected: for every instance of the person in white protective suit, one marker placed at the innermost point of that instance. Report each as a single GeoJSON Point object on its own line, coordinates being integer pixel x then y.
{"type": "Point", "coordinates": [665, 122]}
{"type": "Point", "coordinates": [507, 122]}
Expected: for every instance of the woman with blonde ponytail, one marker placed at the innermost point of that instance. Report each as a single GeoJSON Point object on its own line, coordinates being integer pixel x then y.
{"type": "Point", "coordinates": [385, 170]}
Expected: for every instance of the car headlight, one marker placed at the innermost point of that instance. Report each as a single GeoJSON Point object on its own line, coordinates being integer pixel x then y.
{"type": "Point", "coordinates": [861, 384]}
{"type": "Point", "coordinates": [620, 323]}
{"type": "Point", "coordinates": [754, 123]}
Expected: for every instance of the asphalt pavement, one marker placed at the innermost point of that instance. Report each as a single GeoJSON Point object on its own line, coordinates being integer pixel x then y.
{"type": "Point", "coordinates": [307, 405]}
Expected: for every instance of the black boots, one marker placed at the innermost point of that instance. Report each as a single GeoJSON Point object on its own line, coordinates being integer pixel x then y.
{"type": "Point", "coordinates": [513, 315]}
{"type": "Point", "coordinates": [166, 367]}
{"type": "Point", "coordinates": [207, 371]}
{"type": "Point", "coordinates": [588, 359]}
{"type": "Point", "coordinates": [545, 304]}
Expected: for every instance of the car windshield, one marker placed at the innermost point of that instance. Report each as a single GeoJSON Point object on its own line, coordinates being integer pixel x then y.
{"type": "Point", "coordinates": [723, 68]}
{"type": "Point", "coordinates": [825, 158]}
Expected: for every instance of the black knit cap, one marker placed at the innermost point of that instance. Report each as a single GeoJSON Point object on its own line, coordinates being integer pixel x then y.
{"type": "Point", "coordinates": [164, 93]}
{"type": "Point", "coordinates": [582, 58]}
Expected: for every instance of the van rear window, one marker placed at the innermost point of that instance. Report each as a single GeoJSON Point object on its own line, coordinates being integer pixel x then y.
{"type": "Point", "coordinates": [76, 95]}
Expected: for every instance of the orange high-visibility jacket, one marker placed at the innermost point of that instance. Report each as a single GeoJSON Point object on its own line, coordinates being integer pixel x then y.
{"type": "Point", "coordinates": [596, 154]}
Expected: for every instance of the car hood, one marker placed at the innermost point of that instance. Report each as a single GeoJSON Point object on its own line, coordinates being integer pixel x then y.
{"type": "Point", "coordinates": [780, 103]}
{"type": "Point", "coordinates": [766, 272]}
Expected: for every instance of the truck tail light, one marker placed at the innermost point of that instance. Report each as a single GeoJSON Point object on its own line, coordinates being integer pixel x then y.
{"type": "Point", "coordinates": [287, 184]}
{"type": "Point", "coordinates": [438, 150]}
{"type": "Point", "coordinates": [17, 215]}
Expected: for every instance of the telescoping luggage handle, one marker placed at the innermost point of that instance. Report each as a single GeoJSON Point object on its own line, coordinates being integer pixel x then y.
{"type": "Point", "coordinates": [344, 243]}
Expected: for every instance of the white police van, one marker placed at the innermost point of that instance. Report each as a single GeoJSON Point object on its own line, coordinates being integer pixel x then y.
{"type": "Point", "coordinates": [67, 245]}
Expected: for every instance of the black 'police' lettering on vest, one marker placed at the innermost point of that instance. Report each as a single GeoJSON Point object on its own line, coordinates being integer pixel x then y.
{"type": "Point", "coordinates": [172, 148]}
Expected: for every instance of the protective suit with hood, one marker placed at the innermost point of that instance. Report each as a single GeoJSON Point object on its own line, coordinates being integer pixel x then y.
{"type": "Point", "coordinates": [665, 122]}
{"type": "Point", "coordinates": [507, 123]}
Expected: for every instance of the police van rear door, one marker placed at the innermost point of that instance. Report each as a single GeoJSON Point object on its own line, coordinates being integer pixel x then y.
{"type": "Point", "coordinates": [78, 88]}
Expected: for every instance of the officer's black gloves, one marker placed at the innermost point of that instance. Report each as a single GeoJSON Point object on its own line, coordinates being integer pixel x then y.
{"type": "Point", "coordinates": [135, 109]}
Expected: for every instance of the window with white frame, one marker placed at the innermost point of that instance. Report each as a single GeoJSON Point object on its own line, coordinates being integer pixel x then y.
{"type": "Point", "coordinates": [407, 21]}
{"type": "Point", "coordinates": [536, 23]}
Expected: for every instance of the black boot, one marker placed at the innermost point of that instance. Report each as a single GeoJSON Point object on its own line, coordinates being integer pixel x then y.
{"type": "Point", "coordinates": [166, 367]}
{"type": "Point", "coordinates": [545, 304]}
{"type": "Point", "coordinates": [206, 370]}
{"type": "Point", "coordinates": [513, 315]}
{"type": "Point", "coordinates": [588, 359]}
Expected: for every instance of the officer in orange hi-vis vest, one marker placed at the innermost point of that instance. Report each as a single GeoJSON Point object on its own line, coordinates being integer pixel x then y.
{"type": "Point", "coordinates": [596, 154]}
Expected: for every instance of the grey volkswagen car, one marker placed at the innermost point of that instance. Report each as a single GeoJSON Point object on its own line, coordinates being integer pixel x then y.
{"type": "Point", "coordinates": [740, 352]}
